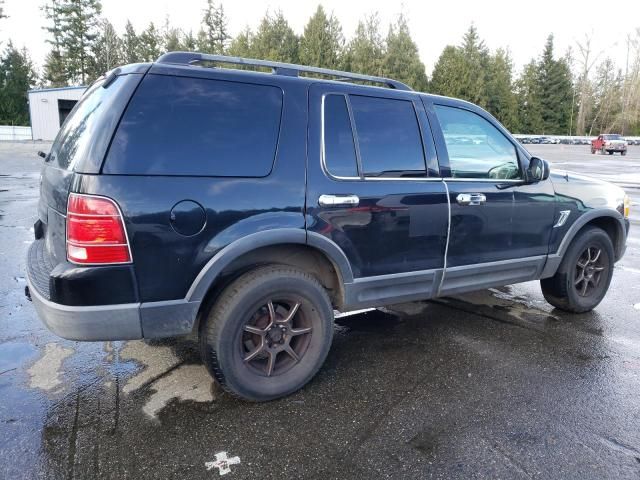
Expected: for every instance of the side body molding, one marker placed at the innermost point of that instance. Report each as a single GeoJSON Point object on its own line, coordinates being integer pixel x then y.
{"type": "Point", "coordinates": [266, 238]}
{"type": "Point", "coordinates": [554, 259]}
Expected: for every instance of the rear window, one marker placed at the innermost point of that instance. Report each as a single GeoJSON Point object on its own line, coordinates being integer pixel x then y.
{"type": "Point", "coordinates": [388, 136]}
{"type": "Point", "coordinates": [201, 127]}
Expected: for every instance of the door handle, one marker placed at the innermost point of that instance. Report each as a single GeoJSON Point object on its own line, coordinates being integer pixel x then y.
{"type": "Point", "coordinates": [471, 199]}
{"type": "Point", "coordinates": [338, 200]}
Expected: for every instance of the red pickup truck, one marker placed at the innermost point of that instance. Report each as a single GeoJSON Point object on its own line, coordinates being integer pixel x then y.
{"type": "Point", "coordinates": [609, 143]}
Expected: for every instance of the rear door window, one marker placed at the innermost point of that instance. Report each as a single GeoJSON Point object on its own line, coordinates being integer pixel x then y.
{"type": "Point", "coordinates": [339, 148]}
{"type": "Point", "coordinates": [388, 136]}
{"type": "Point", "coordinates": [200, 127]}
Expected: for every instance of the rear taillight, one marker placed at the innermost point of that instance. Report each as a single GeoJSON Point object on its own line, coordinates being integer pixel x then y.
{"type": "Point", "coordinates": [95, 231]}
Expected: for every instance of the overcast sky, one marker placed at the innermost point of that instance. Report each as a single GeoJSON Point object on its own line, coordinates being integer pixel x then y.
{"type": "Point", "coordinates": [520, 26]}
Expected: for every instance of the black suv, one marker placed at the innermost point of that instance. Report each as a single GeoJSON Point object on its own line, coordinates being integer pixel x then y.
{"type": "Point", "coordinates": [245, 206]}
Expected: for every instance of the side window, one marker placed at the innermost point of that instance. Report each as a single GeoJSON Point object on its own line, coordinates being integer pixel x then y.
{"type": "Point", "coordinates": [195, 126]}
{"type": "Point", "coordinates": [339, 149]}
{"type": "Point", "coordinates": [388, 137]}
{"type": "Point", "coordinates": [476, 148]}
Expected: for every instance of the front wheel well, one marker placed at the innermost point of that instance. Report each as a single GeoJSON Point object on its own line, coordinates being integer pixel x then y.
{"type": "Point", "coordinates": [612, 228]}
{"type": "Point", "coordinates": [303, 257]}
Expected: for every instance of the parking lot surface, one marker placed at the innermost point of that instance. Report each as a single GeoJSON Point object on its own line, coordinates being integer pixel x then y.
{"type": "Point", "coordinates": [494, 384]}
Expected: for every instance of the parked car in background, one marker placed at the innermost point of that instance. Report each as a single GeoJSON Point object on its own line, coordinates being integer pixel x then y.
{"type": "Point", "coordinates": [609, 143]}
{"type": "Point", "coordinates": [245, 207]}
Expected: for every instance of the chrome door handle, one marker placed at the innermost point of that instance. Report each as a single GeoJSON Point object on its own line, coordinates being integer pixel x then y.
{"type": "Point", "coordinates": [338, 200]}
{"type": "Point", "coordinates": [471, 199]}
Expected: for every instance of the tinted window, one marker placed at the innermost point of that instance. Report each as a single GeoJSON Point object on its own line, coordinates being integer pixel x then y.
{"type": "Point", "coordinates": [189, 126]}
{"type": "Point", "coordinates": [388, 137]}
{"type": "Point", "coordinates": [339, 150]}
{"type": "Point", "coordinates": [74, 135]}
{"type": "Point", "coordinates": [476, 148]}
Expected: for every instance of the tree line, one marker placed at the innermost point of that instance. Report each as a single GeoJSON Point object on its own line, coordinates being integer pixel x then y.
{"type": "Point", "coordinates": [553, 94]}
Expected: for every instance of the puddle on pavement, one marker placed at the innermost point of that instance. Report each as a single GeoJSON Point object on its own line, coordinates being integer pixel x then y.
{"type": "Point", "coordinates": [187, 382]}
{"type": "Point", "coordinates": [45, 372]}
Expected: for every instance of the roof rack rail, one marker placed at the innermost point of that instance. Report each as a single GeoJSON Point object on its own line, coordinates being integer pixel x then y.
{"type": "Point", "coordinates": [278, 68]}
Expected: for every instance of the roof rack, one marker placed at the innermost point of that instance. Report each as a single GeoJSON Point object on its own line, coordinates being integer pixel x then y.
{"type": "Point", "coordinates": [278, 68]}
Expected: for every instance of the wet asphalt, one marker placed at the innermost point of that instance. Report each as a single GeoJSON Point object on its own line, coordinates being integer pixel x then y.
{"type": "Point", "coordinates": [494, 384]}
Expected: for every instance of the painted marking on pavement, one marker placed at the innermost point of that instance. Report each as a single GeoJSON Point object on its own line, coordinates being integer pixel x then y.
{"type": "Point", "coordinates": [222, 463]}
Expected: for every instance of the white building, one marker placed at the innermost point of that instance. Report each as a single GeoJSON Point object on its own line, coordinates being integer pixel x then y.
{"type": "Point", "coordinates": [48, 107]}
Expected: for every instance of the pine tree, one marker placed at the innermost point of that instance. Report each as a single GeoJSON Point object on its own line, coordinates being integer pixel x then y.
{"type": "Point", "coordinates": [150, 44]}
{"type": "Point", "coordinates": [189, 42]}
{"type": "Point", "coordinates": [365, 51]}
{"type": "Point", "coordinates": [322, 42]}
{"type": "Point", "coordinates": [556, 91]}
{"type": "Point", "coordinates": [445, 79]}
{"type": "Point", "coordinates": [241, 45]}
{"type": "Point", "coordinates": [501, 100]}
{"type": "Point", "coordinates": [79, 29]}
{"type": "Point", "coordinates": [130, 45]}
{"type": "Point", "coordinates": [54, 71]}
{"type": "Point", "coordinates": [528, 97]}
{"type": "Point", "coordinates": [275, 39]}
{"type": "Point", "coordinates": [16, 78]}
{"type": "Point", "coordinates": [401, 60]}
{"type": "Point", "coordinates": [171, 37]}
{"type": "Point", "coordinates": [107, 50]}
{"type": "Point", "coordinates": [474, 72]}
{"type": "Point", "coordinates": [214, 37]}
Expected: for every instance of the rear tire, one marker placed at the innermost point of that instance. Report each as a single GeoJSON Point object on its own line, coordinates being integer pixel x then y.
{"type": "Point", "coordinates": [583, 277]}
{"type": "Point", "coordinates": [623, 153]}
{"type": "Point", "coordinates": [268, 333]}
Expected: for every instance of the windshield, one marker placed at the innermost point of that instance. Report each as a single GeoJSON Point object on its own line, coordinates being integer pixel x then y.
{"type": "Point", "coordinates": [75, 133]}
{"type": "Point", "coordinates": [613, 137]}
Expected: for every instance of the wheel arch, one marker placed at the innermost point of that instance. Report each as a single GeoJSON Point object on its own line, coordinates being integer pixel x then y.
{"type": "Point", "coordinates": [313, 253]}
{"type": "Point", "coordinates": [608, 220]}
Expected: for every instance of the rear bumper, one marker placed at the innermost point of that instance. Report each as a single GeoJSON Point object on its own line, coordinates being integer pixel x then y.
{"type": "Point", "coordinates": [86, 303]}
{"type": "Point", "coordinates": [90, 323]}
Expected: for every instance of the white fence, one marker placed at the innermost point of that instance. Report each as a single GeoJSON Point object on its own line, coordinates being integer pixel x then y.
{"type": "Point", "coordinates": [12, 133]}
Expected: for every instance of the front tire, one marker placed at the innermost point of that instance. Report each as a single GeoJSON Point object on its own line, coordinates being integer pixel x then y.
{"type": "Point", "coordinates": [623, 153]}
{"type": "Point", "coordinates": [268, 334]}
{"type": "Point", "coordinates": [583, 277]}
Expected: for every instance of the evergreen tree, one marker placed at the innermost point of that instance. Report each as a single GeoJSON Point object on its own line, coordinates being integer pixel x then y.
{"type": "Point", "coordinates": [365, 51]}
{"type": "Point", "coordinates": [528, 96]}
{"type": "Point", "coordinates": [16, 78]}
{"type": "Point", "coordinates": [556, 91]}
{"type": "Point", "coordinates": [107, 50]}
{"type": "Point", "coordinates": [447, 73]}
{"type": "Point", "coordinates": [54, 71]}
{"type": "Point", "coordinates": [462, 71]}
{"type": "Point", "coordinates": [214, 36]}
{"type": "Point", "coordinates": [322, 42]}
{"type": "Point", "coordinates": [172, 37]}
{"type": "Point", "coordinates": [501, 100]}
{"type": "Point", "coordinates": [189, 42]}
{"type": "Point", "coordinates": [150, 44]}
{"type": "Point", "coordinates": [130, 45]}
{"type": "Point", "coordinates": [401, 60]}
{"type": "Point", "coordinates": [473, 77]}
{"type": "Point", "coordinates": [79, 21]}
{"type": "Point", "coordinates": [241, 45]}
{"type": "Point", "coordinates": [275, 40]}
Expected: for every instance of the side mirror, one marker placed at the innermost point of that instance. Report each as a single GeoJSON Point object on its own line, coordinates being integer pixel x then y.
{"type": "Point", "coordinates": [42, 154]}
{"type": "Point", "coordinates": [538, 170]}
